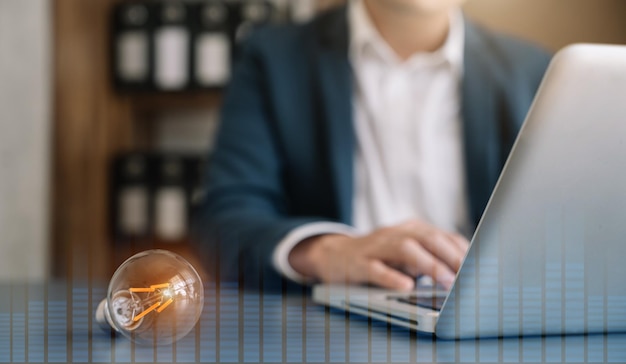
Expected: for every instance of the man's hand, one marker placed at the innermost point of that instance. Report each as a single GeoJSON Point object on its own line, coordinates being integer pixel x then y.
{"type": "Point", "coordinates": [389, 257]}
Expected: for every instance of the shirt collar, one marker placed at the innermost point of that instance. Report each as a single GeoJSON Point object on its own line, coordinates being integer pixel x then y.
{"type": "Point", "coordinates": [365, 37]}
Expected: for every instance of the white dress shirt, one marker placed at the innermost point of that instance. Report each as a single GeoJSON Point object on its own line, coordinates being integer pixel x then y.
{"type": "Point", "coordinates": [408, 161]}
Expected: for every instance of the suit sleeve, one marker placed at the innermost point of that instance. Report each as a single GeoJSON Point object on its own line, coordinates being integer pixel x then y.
{"type": "Point", "coordinates": [245, 211]}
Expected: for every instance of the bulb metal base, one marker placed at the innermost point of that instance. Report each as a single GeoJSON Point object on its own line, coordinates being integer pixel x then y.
{"type": "Point", "coordinates": [103, 318]}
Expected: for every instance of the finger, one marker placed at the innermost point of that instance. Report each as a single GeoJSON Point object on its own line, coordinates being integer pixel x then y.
{"type": "Point", "coordinates": [380, 274]}
{"type": "Point", "coordinates": [399, 251]}
{"type": "Point", "coordinates": [442, 247]}
{"type": "Point", "coordinates": [448, 247]}
{"type": "Point", "coordinates": [426, 263]}
{"type": "Point", "coordinates": [444, 276]}
{"type": "Point", "coordinates": [462, 245]}
{"type": "Point", "coordinates": [460, 242]}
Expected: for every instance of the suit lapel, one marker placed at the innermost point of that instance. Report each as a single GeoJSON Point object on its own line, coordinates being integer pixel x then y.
{"type": "Point", "coordinates": [334, 79]}
{"type": "Point", "coordinates": [479, 112]}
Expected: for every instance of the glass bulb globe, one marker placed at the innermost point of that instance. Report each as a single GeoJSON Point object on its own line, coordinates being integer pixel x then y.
{"type": "Point", "coordinates": [154, 297]}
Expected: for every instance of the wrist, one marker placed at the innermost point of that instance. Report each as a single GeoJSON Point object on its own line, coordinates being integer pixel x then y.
{"type": "Point", "coordinates": [306, 257]}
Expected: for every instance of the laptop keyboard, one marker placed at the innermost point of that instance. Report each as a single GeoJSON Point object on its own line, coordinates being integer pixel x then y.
{"type": "Point", "coordinates": [433, 303]}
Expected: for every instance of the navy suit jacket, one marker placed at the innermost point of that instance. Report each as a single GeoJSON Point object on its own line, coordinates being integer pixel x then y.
{"type": "Point", "coordinates": [284, 150]}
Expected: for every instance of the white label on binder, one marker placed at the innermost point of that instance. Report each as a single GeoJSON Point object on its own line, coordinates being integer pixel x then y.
{"type": "Point", "coordinates": [170, 213]}
{"type": "Point", "coordinates": [132, 56]}
{"type": "Point", "coordinates": [133, 210]}
{"type": "Point", "coordinates": [172, 55]}
{"type": "Point", "coordinates": [212, 59]}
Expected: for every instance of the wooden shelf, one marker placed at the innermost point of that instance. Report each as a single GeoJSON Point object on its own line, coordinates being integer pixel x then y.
{"type": "Point", "coordinates": [92, 123]}
{"type": "Point", "coordinates": [156, 102]}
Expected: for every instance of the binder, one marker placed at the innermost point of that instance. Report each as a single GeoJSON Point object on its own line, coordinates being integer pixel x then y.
{"type": "Point", "coordinates": [180, 45]}
{"type": "Point", "coordinates": [153, 196]}
{"type": "Point", "coordinates": [212, 44]}
{"type": "Point", "coordinates": [172, 46]}
{"type": "Point", "coordinates": [171, 199]}
{"type": "Point", "coordinates": [132, 46]}
{"type": "Point", "coordinates": [131, 197]}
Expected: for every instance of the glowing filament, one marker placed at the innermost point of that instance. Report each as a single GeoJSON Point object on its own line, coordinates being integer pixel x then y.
{"type": "Point", "coordinates": [138, 317]}
{"type": "Point", "coordinates": [167, 303]}
{"type": "Point", "coordinates": [162, 292]}
{"type": "Point", "coordinates": [162, 285]}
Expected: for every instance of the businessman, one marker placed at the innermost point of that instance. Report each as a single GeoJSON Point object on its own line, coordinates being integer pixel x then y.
{"type": "Point", "coordinates": [362, 147]}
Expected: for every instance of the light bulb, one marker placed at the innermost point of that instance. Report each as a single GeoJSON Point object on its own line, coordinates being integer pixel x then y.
{"type": "Point", "coordinates": [154, 297]}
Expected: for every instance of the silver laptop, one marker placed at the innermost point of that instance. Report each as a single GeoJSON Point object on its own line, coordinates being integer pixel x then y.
{"type": "Point", "coordinates": [549, 254]}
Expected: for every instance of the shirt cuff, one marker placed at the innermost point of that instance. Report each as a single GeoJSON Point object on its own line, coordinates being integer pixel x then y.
{"type": "Point", "coordinates": [280, 257]}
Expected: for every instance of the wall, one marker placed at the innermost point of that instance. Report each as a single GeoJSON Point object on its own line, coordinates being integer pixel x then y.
{"type": "Point", "coordinates": [551, 23]}
{"type": "Point", "coordinates": [554, 23]}
{"type": "Point", "coordinates": [24, 138]}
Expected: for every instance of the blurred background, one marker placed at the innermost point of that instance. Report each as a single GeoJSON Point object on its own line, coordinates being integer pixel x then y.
{"type": "Point", "coordinates": [108, 110]}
